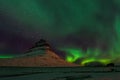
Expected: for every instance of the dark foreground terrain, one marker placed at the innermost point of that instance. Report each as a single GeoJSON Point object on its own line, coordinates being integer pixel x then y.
{"type": "Point", "coordinates": [59, 73]}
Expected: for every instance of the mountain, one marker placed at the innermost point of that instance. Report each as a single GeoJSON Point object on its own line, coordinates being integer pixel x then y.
{"type": "Point", "coordinates": [40, 55]}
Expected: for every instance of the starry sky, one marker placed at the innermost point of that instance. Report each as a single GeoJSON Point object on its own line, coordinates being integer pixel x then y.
{"type": "Point", "coordinates": [81, 29]}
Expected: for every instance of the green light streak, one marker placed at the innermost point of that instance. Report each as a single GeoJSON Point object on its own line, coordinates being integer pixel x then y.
{"type": "Point", "coordinates": [6, 56]}
{"type": "Point", "coordinates": [87, 61]}
{"type": "Point", "coordinates": [104, 61]}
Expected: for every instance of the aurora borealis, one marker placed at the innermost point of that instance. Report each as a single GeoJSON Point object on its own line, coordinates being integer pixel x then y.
{"type": "Point", "coordinates": [88, 30]}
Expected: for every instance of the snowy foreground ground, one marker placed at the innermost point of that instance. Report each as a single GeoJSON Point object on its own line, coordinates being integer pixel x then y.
{"type": "Point", "coordinates": [59, 73]}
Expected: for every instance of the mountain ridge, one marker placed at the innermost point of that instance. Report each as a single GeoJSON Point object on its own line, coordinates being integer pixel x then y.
{"type": "Point", "coordinates": [39, 56]}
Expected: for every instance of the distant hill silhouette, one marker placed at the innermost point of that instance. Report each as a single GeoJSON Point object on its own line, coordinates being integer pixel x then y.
{"type": "Point", "coordinates": [94, 64]}
{"type": "Point", "coordinates": [110, 65]}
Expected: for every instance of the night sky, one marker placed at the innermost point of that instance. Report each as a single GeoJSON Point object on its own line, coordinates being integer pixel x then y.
{"type": "Point", "coordinates": [85, 30]}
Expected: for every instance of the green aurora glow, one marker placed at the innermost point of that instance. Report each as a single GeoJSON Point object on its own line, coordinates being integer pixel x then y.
{"type": "Point", "coordinates": [6, 56]}
{"type": "Point", "coordinates": [93, 25]}
{"type": "Point", "coordinates": [75, 54]}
